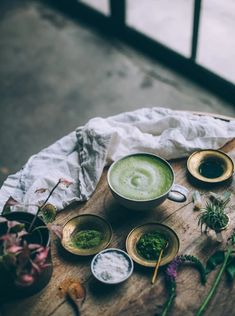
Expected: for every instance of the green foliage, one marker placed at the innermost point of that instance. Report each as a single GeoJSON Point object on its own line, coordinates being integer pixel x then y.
{"type": "Point", "coordinates": [171, 274]}
{"type": "Point", "coordinates": [221, 201]}
{"type": "Point", "coordinates": [219, 256]}
{"type": "Point", "coordinates": [17, 228]}
{"type": "Point", "coordinates": [213, 216]}
{"type": "Point", "coordinates": [198, 265]}
{"type": "Point", "coordinates": [6, 210]}
{"type": "Point", "coordinates": [230, 268]}
{"type": "Point", "coordinates": [227, 260]}
{"type": "Point", "coordinates": [231, 239]}
{"type": "Point", "coordinates": [8, 260]}
{"type": "Point", "coordinates": [48, 213]}
{"type": "Point", "coordinates": [216, 259]}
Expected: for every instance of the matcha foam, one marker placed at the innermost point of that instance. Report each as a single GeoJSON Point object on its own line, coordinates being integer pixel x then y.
{"type": "Point", "coordinates": [141, 177]}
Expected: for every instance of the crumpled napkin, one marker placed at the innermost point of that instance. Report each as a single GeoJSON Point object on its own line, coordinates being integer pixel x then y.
{"type": "Point", "coordinates": [81, 155]}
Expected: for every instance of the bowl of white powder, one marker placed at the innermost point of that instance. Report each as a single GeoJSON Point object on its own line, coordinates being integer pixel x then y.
{"type": "Point", "coordinates": [112, 266]}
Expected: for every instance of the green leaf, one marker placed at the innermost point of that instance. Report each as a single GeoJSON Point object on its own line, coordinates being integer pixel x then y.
{"type": "Point", "coordinates": [48, 213]}
{"type": "Point", "coordinates": [9, 260]}
{"type": "Point", "coordinates": [6, 210]}
{"type": "Point", "coordinates": [230, 268]}
{"type": "Point", "coordinates": [199, 266]}
{"type": "Point", "coordinates": [232, 238]}
{"type": "Point", "coordinates": [17, 228]}
{"type": "Point", "coordinates": [216, 259]}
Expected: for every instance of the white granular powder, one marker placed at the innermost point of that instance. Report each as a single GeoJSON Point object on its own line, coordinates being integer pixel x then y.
{"type": "Point", "coordinates": [111, 266]}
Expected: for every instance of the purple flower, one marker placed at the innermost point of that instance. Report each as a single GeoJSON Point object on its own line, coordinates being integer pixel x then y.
{"type": "Point", "coordinates": [171, 270]}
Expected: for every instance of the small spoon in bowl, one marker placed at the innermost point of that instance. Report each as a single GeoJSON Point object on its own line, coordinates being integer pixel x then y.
{"type": "Point", "coordinates": [158, 263]}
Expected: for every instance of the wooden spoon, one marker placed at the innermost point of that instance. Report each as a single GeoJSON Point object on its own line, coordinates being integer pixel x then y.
{"type": "Point", "coordinates": [157, 264]}
{"type": "Point", "coordinates": [74, 291]}
{"type": "Point", "coordinates": [77, 293]}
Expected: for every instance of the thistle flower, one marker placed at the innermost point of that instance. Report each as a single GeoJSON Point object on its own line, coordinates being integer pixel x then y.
{"type": "Point", "coordinates": [171, 270]}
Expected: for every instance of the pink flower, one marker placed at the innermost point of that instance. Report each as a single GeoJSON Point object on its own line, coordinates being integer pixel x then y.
{"type": "Point", "coordinates": [38, 264]}
{"type": "Point", "coordinates": [25, 279]}
{"type": "Point", "coordinates": [12, 224]}
{"type": "Point", "coordinates": [14, 249]}
{"type": "Point", "coordinates": [5, 237]}
{"type": "Point", "coordinates": [35, 246]}
{"type": "Point", "coordinates": [42, 255]}
{"type": "Point", "coordinates": [67, 183]}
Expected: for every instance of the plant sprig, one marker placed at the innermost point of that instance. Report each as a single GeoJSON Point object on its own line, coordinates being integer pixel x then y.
{"type": "Point", "coordinates": [171, 274]}
{"type": "Point", "coordinates": [227, 260]}
{"type": "Point", "coordinates": [22, 260]}
{"type": "Point", "coordinates": [213, 214]}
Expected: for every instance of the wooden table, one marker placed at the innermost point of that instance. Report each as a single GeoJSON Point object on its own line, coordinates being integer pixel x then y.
{"type": "Point", "coordinates": [136, 296]}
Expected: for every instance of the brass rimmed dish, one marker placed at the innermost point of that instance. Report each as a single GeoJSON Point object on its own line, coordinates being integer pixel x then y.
{"type": "Point", "coordinates": [210, 166]}
{"type": "Point", "coordinates": [86, 222]}
{"type": "Point", "coordinates": [168, 254]}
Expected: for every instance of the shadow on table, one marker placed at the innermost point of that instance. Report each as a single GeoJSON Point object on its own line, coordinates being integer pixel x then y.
{"type": "Point", "coordinates": [100, 290]}
{"type": "Point", "coordinates": [69, 257]}
{"type": "Point", "coordinates": [208, 186]}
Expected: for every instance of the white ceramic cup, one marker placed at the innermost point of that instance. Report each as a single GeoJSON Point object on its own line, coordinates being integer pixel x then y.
{"type": "Point", "coordinates": [176, 192]}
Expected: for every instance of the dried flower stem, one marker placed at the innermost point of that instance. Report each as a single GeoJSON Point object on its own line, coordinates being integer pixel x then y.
{"type": "Point", "coordinates": [44, 203]}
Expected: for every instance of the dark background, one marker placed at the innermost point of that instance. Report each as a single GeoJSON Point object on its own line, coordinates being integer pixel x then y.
{"type": "Point", "coordinates": [56, 73]}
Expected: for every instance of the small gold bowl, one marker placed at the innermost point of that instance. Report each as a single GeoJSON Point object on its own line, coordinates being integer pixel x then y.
{"type": "Point", "coordinates": [85, 222]}
{"type": "Point", "coordinates": [168, 254]}
{"type": "Point", "coordinates": [210, 166]}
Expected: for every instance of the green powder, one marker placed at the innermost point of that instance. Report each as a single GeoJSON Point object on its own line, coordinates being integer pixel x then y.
{"type": "Point", "coordinates": [85, 239]}
{"type": "Point", "coordinates": [149, 245]}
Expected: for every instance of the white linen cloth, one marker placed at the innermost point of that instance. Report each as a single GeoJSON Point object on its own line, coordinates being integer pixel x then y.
{"type": "Point", "coordinates": [81, 155]}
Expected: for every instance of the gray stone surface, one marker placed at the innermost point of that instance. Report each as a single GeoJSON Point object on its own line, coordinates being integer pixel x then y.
{"type": "Point", "coordinates": [56, 74]}
{"type": "Point", "coordinates": [170, 23]}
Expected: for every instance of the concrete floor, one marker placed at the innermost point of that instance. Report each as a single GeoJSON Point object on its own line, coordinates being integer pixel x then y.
{"type": "Point", "coordinates": [56, 74]}
{"type": "Point", "coordinates": [171, 22]}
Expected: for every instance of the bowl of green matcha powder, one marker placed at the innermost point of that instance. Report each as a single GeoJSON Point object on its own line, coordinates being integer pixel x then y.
{"type": "Point", "coordinates": [86, 234]}
{"type": "Point", "coordinates": [145, 242]}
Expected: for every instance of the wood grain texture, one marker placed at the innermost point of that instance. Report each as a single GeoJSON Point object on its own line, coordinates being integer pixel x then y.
{"type": "Point", "coordinates": [136, 296]}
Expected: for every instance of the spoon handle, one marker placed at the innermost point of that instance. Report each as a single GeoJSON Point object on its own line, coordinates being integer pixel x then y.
{"type": "Point", "coordinates": [156, 267]}
{"type": "Point", "coordinates": [76, 305]}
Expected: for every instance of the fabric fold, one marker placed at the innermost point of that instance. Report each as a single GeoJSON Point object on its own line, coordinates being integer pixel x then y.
{"type": "Point", "coordinates": [81, 155]}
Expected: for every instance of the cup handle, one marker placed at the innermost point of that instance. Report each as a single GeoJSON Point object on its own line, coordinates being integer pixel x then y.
{"type": "Point", "coordinates": [178, 193]}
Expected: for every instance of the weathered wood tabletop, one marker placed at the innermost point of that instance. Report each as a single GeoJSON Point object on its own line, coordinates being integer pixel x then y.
{"type": "Point", "coordinates": [136, 296]}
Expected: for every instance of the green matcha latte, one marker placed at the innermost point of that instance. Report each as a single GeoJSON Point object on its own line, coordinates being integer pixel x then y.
{"type": "Point", "coordinates": [141, 177]}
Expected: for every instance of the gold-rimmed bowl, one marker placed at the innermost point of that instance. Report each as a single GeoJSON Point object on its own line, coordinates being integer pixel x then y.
{"type": "Point", "coordinates": [210, 166]}
{"type": "Point", "coordinates": [86, 222]}
{"type": "Point", "coordinates": [169, 252]}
